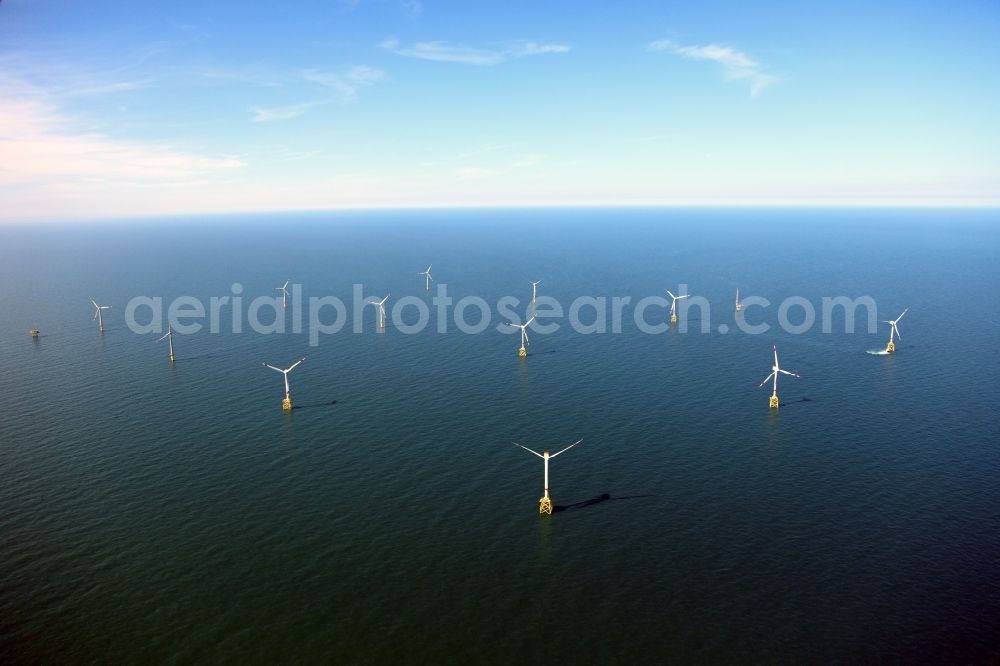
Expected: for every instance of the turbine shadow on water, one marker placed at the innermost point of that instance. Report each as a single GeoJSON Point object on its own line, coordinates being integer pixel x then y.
{"type": "Point", "coordinates": [594, 501]}
{"type": "Point", "coordinates": [314, 404]}
{"type": "Point", "coordinates": [796, 402]}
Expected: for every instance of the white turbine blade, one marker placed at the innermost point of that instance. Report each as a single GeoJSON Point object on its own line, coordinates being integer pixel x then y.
{"type": "Point", "coordinates": [897, 331]}
{"type": "Point", "coordinates": [429, 268]}
{"type": "Point", "coordinates": [567, 448]}
{"type": "Point", "coordinates": [684, 296]}
{"type": "Point", "coordinates": [903, 313]}
{"type": "Point", "coordinates": [766, 379]}
{"type": "Point", "coordinates": [528, 450]}
{"type": "Point", "coordinates": [671, 294]}
{"type": "Point", "coordinates": [384, 299]}
{"type": "Point", "coordinates": [785, 372]}
{"type": "Point", "coordinates": [293, 365]}
{"type": "Point", "coordinates": [285, 286]}
{"type": "Point", "coordinates": [272, 367]}
{"type": "Point", "coordinates": [775, 347]}
{"type": "Point", "coordinates": [524, 332]}
{"type": "Point", "coordinates": [528, 323]}
{"type": "Point", "coordinates": [165, 336]}
{"type": "Point", "coordinates": [95, 314]}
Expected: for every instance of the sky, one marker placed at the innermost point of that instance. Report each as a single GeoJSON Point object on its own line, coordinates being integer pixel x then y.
{"type": "Point", "coordinates": [123, 109]}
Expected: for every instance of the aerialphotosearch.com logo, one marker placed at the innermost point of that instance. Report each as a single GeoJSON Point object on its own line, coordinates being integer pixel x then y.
{"type": "Point", "coordinates": [586, 315]}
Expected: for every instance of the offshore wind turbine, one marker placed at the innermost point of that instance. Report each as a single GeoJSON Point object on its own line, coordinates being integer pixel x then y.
{"type": "Point", "coordinates": [98, 316]}
{"type": "Point", "coordinates": [524, 335]}
{"type": "Point", "coordinates": [381, 309]}
{"type": "Point", "coordinates": [169, 337]}
{"type": "Point", "coordinates": [545, 503]}
{"type": "Point", "coordinates": [891, 347]}
{"type": "Point", "coordinates": [673, 305]}
{"type": "Point", "coordinates": [427, 276]}
{"type": "Point", "coordinates": [286, 404]}
{"type": "Point", "coordinates": [534, 293]}
{"type": "Point", "coordinates": [738, 305]}
{"type": "Point", "coordinates": [775, 369]}
{"type": "Point", "coordinates": [284, 293]}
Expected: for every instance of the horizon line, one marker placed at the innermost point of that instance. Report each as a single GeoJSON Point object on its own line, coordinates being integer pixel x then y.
{"type": "Point", "coordinates": [694, 204]}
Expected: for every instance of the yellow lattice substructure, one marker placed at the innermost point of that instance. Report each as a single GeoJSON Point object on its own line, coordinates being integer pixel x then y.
{"type": "Point", "coordinates": [891, 347]}
{"type": "Point", "coordinates": [673, 319]}
{"type": "Point", "coordinates": [286, 404]}
{"type": "Point", "coordinates": [545, 505]}
{"type": "Point", "coordinates": [523, 352]}
{"type": "Point", "coordinates": [773, 404]}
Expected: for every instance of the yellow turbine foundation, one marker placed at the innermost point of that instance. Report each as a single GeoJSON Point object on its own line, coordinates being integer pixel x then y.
{"type": "Point", "coordinates": [890, 347]}
{"type": "Point", "coordinates": [34, 333]}
{"type": "Point", "coordinates": [673, 319]}
{"type": "Point", "coordinates": [545, 505]}
{"type": "Point", "coordinates": [286, 404]}
{"type": "Point", "coordinates": [773, 404]}
{"type": "Point", "coordinates": [172, 358]}
{"type": "Point", "coordinates": [101, 328]}
{"type": "Point", "coordinates": [738, 307]}
{"type": "Point", "coordinates": [523, 352]}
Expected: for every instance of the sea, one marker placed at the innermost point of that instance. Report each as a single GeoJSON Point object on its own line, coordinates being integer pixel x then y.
{"type": "Point", "coordinates": [158, 512]}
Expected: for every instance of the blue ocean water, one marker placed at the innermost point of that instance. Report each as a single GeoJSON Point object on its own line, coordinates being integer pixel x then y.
{"type": "Point", "coordinates": [151, 512]}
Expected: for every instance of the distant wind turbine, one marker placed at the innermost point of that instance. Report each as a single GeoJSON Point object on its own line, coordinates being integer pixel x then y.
{"type": "Point", "coordinates": [673, 305]}
{"type": "Point", "coordinates": [97, 314]}
{"type": "Point", "coordinates": [545, 503]}
{"type": "Point", "coordinates": [773, 403]}
{"type": "Point", "coordinates": [739, 306]}
{"type": "Point", "coordinates": [891, 347]}
{"type": "Point", "coordinates": [169, 337]}
{"type": "Point", "coordinates": [427, 276]}
{"type": "Point", "coordinates": [534, 293]}
{"type": "Point", "coordinates": [286, 404]}
{"type": "Point", "coordinates": [524, 335]}
{"type": "Point", "coordinates": [284, 293]}
{"type": "Point", "coordinates": [381, 309]}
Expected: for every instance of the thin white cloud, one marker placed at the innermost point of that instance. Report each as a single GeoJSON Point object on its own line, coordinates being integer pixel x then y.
{"type": "Point", "coordinates": [40, 147]}
{"type": "Point", "coordinates": [443, 52]}
{"type": "Point", "coordinates": [280, 113]}
{"type": "Point", "coordinates": [412, 8]}
{"type": "Point", "coordinates": [736, 64]}
{"type": "Point", "coordinates": [346, 83]}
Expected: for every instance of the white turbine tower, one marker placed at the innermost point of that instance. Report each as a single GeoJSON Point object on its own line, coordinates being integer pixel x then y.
{"type": "Point", "coordinates": [381, 309]}
{"type": "Point", "coordinates": [169, 337]}
{"type": "Point", "coordinates": [524, 335]}
{"type": "Point", "coordinates": [427, 276]}
{"type": "Point", "coordinates": [738, 305]}
{"type": "Point", "coordinates": [284, 293]}
{"type": "Point", "coordinates": [673, 305]}
{"type": "Point", "coordinates": [773, 404]}
{"type": "Point", "coordinates": [286, 404]}
{"type": "Point", "coordinates": [534, 294]}
{"type": "Point", "coordinates": [545, 503]}
{"type": "Point", "coordinates": [891, 347]}
{"type": "Point", "coordinates": [98, 316]}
